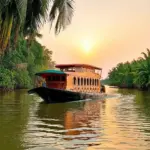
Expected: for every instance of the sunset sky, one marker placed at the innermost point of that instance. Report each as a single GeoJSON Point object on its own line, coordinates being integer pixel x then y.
{"type": "Point", "coordinates": [112, 31]}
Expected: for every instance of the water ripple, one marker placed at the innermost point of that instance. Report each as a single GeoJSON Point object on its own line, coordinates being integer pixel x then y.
{"type": "Point", "coordinates": [121, 121]}
{"type": "Point", "coordinates": [114, 123]}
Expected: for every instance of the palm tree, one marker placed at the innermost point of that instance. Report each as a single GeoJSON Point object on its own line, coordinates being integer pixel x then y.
{"type": "Point", "coordinates": [12, 13]}
{"type": "Point", "coordinates": [65, 13]}
{"type": "Point", "coordinates": [142, 78]}
{"type": "Point", "coordinates": [29, 15]}
{"type": "Point", "coordinates": [31, 36]}
{"type": "Point", "coordinates": [133, 74]}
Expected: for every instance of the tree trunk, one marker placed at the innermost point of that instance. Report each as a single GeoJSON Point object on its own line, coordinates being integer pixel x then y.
{"type": "Point", "coordinates": [6, 32]}
{"type": "Point", "coordinates": [7, 36]}
{"type": "Point", "coordinates": [17, 29]}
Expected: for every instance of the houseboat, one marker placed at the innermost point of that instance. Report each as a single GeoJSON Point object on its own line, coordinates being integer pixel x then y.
{"type": "Point", "coordinates": [70, 82]}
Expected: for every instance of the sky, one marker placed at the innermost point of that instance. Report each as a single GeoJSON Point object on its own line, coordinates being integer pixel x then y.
{"type": "Point", "coordinates": [102, 33]}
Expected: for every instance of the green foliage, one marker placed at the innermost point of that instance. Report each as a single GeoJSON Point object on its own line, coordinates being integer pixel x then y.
{"type": "Point", "coordinates": [20, 54]}
{"type": "Point", "coordinates": [21, 64]}
{"type": "Point", "coordinates": [27, 16]}
{"type": "Point", "coordinates": [22, 79]}
{"type": "Point", "coordinates": [6, 78]}
{"type": "Point", "coordinates": [133, 74]}
{"type": "Point", "coordinates": [37, 51]}
{"type": "Point", "coordinates": [105, 81]}
{"type": "Point", "coordinates": [16, 56]}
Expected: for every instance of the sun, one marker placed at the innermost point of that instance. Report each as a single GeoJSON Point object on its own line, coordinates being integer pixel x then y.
{"type": "Point", "coordinates": [87, 45]}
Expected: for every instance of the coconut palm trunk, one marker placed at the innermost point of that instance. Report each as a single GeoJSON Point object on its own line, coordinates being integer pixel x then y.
{"type": "Point", "coordinates": [31, 15]}
{"type": "Point", "coordinates": [5, 32]}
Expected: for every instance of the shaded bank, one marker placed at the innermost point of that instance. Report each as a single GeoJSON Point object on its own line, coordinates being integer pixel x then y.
{"type": "Point", "coordinates": [20, 53]}
{"type": "Point", "coordinates": [18, 67]}
{"type": "Point", "coordinates": [135, 74]}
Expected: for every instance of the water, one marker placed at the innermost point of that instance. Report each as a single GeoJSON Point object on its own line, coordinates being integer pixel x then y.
{"type": "Point", "coordinates": [121, 121]}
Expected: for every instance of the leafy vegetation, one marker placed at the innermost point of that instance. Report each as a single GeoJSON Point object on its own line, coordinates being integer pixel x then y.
{"type": "Point", "coordinates": [6, 78]}
{"type": "Point", "coordinates": [18, 66]}
{"type": "Point", "coordinates": [105, 81]}
{"type": "Point", "coordinates": [135, 74]}
{"type": "Point", "coordinates": [20, 53]}
{"type": "Point", "coordinates": [26, 16]}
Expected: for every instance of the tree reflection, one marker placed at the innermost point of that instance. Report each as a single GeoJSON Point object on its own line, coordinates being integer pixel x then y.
{"type": "Point", "coordinates": [14, 114]}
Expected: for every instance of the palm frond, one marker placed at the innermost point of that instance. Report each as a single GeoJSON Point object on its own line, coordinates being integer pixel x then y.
{"type": "Point", "coordinates": [21, 6]}
{"type": "Point", "coordinates": [3, 4]}
{"type": "Point", "coordinates": [148, 52]}
{"type": "Point", "coordinates": [38, 35]}
{"type": "Point", "coordinates": [37, 11]}
{"type": "Point", "coordinates": [145, 55]}
{"type": "Point", "coordinates": [63, 11]}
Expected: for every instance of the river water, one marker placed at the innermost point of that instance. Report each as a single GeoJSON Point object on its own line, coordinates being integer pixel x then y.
{"type": "Point", "coordinates": [119, 122]}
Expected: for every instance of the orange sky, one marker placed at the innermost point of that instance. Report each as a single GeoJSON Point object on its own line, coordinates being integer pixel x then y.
{"type": "Point", "coordinates": [119, 30]}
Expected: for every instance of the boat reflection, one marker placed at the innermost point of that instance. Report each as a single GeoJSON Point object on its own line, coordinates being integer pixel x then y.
{"type": "Point", "coordinates": [83, 121]}
{"type": "Point", "coordinates": [73, 121]}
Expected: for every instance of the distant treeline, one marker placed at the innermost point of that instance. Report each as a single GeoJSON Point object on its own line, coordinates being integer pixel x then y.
{"type": "Point", "coordinates": [105, 81]}
{"type": "Point", "coordinates": [134, 74]}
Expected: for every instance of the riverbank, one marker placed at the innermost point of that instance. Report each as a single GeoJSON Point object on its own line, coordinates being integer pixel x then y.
{"type": "Point", "coordinates": [18, 67]}
{"type": "Point", "coordinates": [125, 87]}
{"type": "Point", "coordinates": [11, 90]}
{"type": "Point", "coordinates": [134, 74]}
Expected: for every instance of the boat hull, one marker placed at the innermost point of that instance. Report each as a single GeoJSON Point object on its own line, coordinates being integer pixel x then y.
{"type": "Point", "coordinates": [51, 95]}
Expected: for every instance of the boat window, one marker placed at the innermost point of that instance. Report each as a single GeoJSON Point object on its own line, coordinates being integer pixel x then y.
{"type": "Point", "coordinates": [84, 81]}
{"type": "Point", "coordinates": [90, 82]}
{"type": "Point", "coordinates": [57, 78]}
{"type": "Point", "coordinates": [97, 82]}
{"type": "Point", "coordinates": [94, 81]}
{"type": "Point", "coordinates": [53, 78]}
{"type": "Point", "coordinates": [87, 81]}
{"type": "Point", "coordinates": [49, 78]}
{"type": "Point", "coordinates": [63, 78]}
{"type": "Point", "coordinates": [70, 69]}
{"type": "Point", "coordinates": [74, 81]}
{"type": "Point", "coordinates": [81, 81]}
{"type": "Point", "coordinates": [78, 81]}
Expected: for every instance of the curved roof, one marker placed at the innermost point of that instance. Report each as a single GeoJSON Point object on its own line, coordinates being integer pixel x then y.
{"type": "Point", "coordinates": [77, 65]}
{"type": "Point", "coordinates": [50, 72]}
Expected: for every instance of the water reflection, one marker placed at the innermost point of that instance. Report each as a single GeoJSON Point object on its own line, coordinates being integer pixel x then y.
{"type": "Point", "coordinates": [14, 109]}
{"type": "Point", "coordinates": [70, 123]}
{"type": "Point", "coordinates": [101, 124]}
{"type": "Point", "coordinates": [122, 121]}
